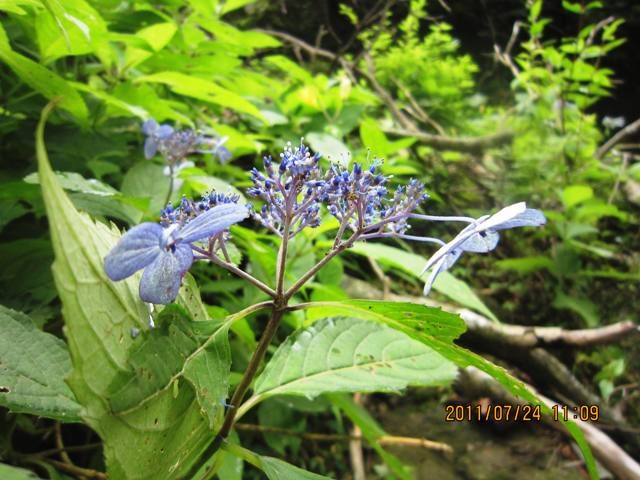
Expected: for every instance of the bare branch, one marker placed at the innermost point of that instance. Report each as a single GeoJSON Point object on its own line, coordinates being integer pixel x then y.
{"type": "Point", "coordinates": [469, 144]}
{"type": "Point", "coordinates": [617, 138]}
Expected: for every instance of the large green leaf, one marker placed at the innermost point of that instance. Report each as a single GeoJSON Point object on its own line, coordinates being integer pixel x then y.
{"type": "Point", "coordinates": [447, 284]}
{"type": "Point", "coordinates": [33, 366]}
{"type": "Point", "coordinates": [203, 90]}
{"type": "Point", "coordinates": [160, 438]}
{"type": "Point", "coordinates": [195, 351]}
{"type": "Point", "coordinates": [43, 80]}
{"type": "Point", "coordinates": [350, 355]}
{"type": "Point", "coordinates": [438, 330]}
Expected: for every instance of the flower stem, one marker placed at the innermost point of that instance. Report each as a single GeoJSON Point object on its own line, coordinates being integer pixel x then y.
{"type": "Point", "coordinates": [240, 391]}
{"type": "Point", "coordinates": [242, 274]}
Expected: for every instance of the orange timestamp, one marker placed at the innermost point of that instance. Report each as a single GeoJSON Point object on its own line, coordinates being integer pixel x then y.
{"type": "Point", "coordinates": [493, 413]}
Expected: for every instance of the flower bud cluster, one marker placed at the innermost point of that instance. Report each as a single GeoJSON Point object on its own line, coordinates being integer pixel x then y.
{"type": "Point", "coordinates": [361, 199]}
{"type": "Point", "coordinates": [290, 190]}
{"type": "Point", "coordinates": [189, 209]}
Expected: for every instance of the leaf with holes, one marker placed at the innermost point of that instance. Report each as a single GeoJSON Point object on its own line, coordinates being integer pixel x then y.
{"type": "Point", "coordinates": [350, 355]}
{"type": "Point", "coordinates": [33, 366]}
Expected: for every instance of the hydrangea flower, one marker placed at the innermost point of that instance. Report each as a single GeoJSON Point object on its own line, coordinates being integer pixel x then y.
{"type": "Point", "coordinates": [481, 235]}
{"type": "Point", "coordinates": [166, 252]}
{"type": "Point", "coordinates": [156, 134]}
{"type": "Point", "coordinates": [175, 145]}
{"type": "Point", "coordinates": [361, 198]}
{"type": "Point", "coordinates": [290, 189]}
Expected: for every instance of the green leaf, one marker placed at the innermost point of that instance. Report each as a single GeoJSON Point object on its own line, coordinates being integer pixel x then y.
{"type": "Point", "coordinates": [148, 180]}
{"type": "Point", "coordinates": [203, 90]}
{"type": "Point", "coordinates": [33, 367]}
{"type": "Point", "coordinates": [371, 431]}
{"type": "Point", "coordinates": [94, 197]}
{"type": "Point", "coordinates": [74, 28]}
{"type": "Point", "coordinates": [276, 469]}
{"type": "Point", "coordinates": [273, 468]}
{"type": "Point", "coordinates": [43, 81]}
{"type": "Point", "coordinates": [99, 317]}
{"type": "Point", "coordinates": [350, 355]}
{"type": "Point", "coordinates": [575, 194]}
{"type": "Point", "coordinates": [8, 472]}
{"type": "Point", "coordinates": [446, 284]}
{"type": "Point", "coordinates": [157, 36]}
{"type": "Point", "coordinates": [330, 147]}
{"type": "Point", "coordinates": [196, 351]}
{"type": "Point", "coordinates": [582, 306]}
{"type": "Point", "coordinates": [437, 330]}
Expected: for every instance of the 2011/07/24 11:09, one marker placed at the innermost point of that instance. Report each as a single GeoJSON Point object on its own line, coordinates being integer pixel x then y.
{"type": "Point", "coordinates": [522, 413]}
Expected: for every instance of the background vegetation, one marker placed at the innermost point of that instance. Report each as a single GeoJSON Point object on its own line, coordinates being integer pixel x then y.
{"type": "Point", "coordinates": [486, 105]}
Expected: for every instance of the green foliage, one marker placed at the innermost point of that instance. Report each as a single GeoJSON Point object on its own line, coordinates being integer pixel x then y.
{"type": "Point", "coordinates": [156, 398]}
{"type": "Point", "coordinates": [33, 366]}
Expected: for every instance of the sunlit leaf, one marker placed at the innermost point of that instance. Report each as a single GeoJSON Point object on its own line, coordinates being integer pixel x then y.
{"type": "Point", "coordinates": [437, 330]}
{"type": "Point", "coordinates": [350, 355]}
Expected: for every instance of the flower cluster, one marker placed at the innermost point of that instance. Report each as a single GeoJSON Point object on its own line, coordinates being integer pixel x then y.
{"type": "Point", "coordinates": [293, 192]}
{"type": "Point", "coordinates": [175, 145]}
{"type": "Point", "coordinates": [360, 200]}
{"type": "Point", "coordinates": [290, 190]}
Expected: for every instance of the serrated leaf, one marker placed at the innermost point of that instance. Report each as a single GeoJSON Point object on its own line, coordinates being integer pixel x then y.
{"type": "Point", "coordinates": [350, 355]}
{"type": "Point", "coordinates": [33, 367]}
{"type": "Point", "coordinates": [446, 284]}
{"type": "Point", "coordinates": [176, 349]}
{"type": "Point", "coordinates": [437, 330]}
{"type": "Point", "coordinates": [99, 316]}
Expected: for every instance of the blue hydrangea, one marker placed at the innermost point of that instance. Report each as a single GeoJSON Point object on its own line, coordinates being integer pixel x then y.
{"type": "Point", "coordinates": [360, 198]}
{"type": "Point", "coordinates": [166, 252]}
{"type": "Point", "coordinates": [290, 190]}
{"type": "Point", "coordinates": [481, 235]}
{"type": "Point", "coordinates": [175, 145]}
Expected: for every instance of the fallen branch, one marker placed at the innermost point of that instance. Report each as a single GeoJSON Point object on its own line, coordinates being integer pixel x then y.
{"type": "Point", "coordinates": [529, 337]}
{"type": "Point", "coordinates": [608, 453]}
